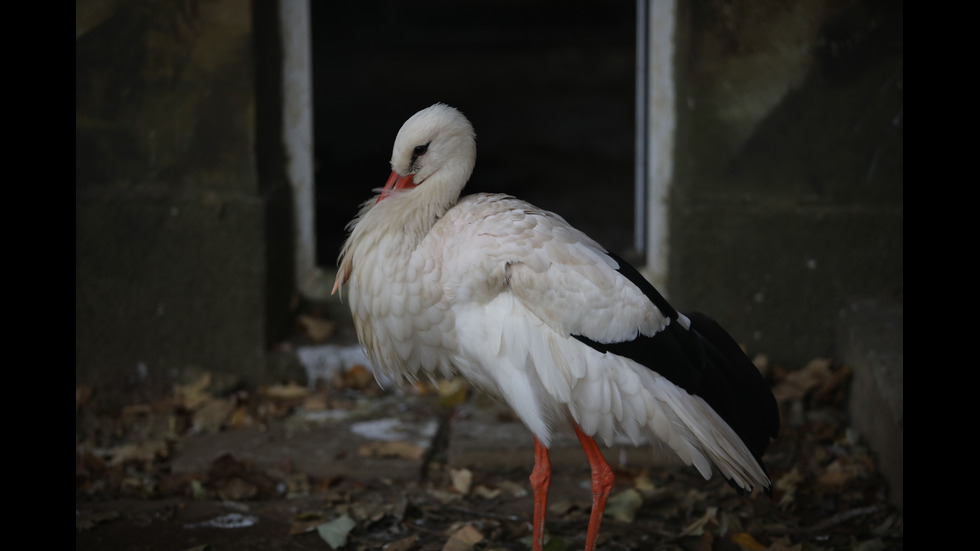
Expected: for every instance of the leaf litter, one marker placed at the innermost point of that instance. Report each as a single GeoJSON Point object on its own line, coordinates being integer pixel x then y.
{"type": "Point", "coordinates": [827, 492]}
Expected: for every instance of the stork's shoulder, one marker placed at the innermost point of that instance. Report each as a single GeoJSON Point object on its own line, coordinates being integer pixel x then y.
{"type": "Point", "coordinates": [502, 224]}
{"type": "Point", "coordinates": [560, 274]}
{"type": "Point", "coordinates": [482, 210]}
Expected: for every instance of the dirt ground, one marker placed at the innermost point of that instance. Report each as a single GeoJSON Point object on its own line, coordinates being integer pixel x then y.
{"type": "Point", "coordinates": [827, 491]}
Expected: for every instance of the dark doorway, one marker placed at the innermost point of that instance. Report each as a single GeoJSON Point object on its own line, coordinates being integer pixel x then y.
{"type": "Point", "coordinates": [548, 86]}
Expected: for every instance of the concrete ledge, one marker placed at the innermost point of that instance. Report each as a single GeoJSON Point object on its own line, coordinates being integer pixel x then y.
{"type": "Point", "coordinates": [870, 340]}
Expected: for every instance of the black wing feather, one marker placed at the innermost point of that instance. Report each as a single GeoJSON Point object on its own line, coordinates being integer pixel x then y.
{"type": "Point", "coordinates": [706, 361]}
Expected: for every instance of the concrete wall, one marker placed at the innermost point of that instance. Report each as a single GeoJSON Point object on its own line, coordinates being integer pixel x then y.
{"type": "Point", "coordinates": [183, 253]}
{"type": "Point", "coordinates": [787, 198]}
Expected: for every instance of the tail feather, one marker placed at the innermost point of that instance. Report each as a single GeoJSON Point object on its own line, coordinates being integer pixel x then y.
{"type": "Point", "coordinates": [734, 388]}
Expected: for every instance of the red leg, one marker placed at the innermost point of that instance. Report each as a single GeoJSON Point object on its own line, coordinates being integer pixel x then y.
{"type": "Point", "coordinates": [540, 480]}
{"type": "Point", "coordinates": [602, 481]}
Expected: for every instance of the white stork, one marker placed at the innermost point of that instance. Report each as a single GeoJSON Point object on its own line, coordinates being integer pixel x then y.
{"type": "Point", "coordinates": [531, 310]}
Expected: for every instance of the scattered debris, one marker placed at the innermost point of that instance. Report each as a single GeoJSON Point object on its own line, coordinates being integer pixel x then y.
{"type": "Point", "coordinates": [462, 480]}
{"type": "Point", "coordinates": [827, 492]}
{"type": "Point", "coordinates": [227, 522]}
{"type": "Point", "coordinates": [463, 539]}
{"type": "Point", "coordinates": [624, 505]}
{"type": "Point", "coordinates": [397, 449]}
{"type": "Point", "coordinates": [317, 328]}
{"type": "Point", "coordinates": [87, 520]}
{"type": "Point", "coordinates": [335, 532]}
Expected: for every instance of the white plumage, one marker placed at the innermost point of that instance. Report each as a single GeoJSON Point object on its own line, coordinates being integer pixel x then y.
{"type": "Point", "coordinates": [533, 311]}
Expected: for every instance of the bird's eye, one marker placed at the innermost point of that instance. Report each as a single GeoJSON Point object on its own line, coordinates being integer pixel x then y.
{"type": "Point", "coordinates": [416, 153]}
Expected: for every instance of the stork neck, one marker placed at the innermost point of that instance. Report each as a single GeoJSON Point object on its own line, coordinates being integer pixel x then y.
{"type": "Point", "coordinates": [414, 212]}
{"type": "Point", "coordinates": [421, 207]}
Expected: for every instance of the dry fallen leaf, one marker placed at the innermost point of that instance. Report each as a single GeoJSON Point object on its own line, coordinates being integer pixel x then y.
{"type": "Point", "coordinates": [318, 329]}
{"type": "Point", "coordinates": [836, 475]}
{"type": "Point", "coordinates": [462, 479]}
{"type": "Point", "coordinates": [89, 520]}
{"type": "Point", "coordinates": [291, 391]}
{"type": "Point", "coordinates": [305, 522]}
{"type": "Point", "coordinates": [297, 484]}
{"type": "Point", "coordinates": [463, 539]}
{"type": "Point", "coordinates": [358, 377]}
{"type": "Point", "coordinates": [396, 449]}
{"type": "Point", "coordinates": [234, 489]}
{"type": "Point", "coordinates": [444, 496]}
{"type": "Point", "coordinates": [798, 384]}
{"type": "Point", "coordinates": [697, 527]}
{"type": "Point", "coordinates": [562, 507]}
{"type": "Point", "coordinates": [211, 415]}
{"type": "Point", "coordinates": [624, 505]}
{"type": "Point", "coordinates": [139, 451]}
{"type": "Point", "coordinates": [233, 479]}
{"type": "Point", "coordinates": [745, 541]}
{"type": "Point", "coordinates": [787, 485]}
{"type": "Point", "coordinates": [315, 403]}
{"type": "Point", "coordinates": [452, 393]}
{"type": "Point", "coordinates": [366, 512]}
{"type": "Point", "coordinates": [486, 493]}
{"type": "Point", "coordinates": [834, 387]}
{"type": "Point", "coordinates": [644, 485]}
{"type": "Point", "coordinates": [335, 532]}
{"type": "Point", "coordinates": [194, 393]}
{"type": "Point", "coordinates": [239, 417]}
{"type": "Point", "coordinates": [513, 489]}
{"type": "Point", "coordinates": [404, 544]}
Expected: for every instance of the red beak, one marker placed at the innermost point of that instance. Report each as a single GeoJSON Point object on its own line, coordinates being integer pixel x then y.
{"type": "Point", "coordinates": [396, 182]}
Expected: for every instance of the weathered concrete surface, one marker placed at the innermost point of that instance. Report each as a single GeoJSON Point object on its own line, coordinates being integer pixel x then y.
{"type": "Point", "coordinates": [871, 341]}
{"type": "Point", "coordinates": [183, 252]}
{"type": "Point", "coordinates": [329, 443]}
{"type": "Point", "coordinates": [485, 434]}
{"type": "Point", "coordinates": [788, 196]}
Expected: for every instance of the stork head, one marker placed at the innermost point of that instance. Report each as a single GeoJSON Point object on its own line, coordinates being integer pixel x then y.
{"type": "Point", "coordinates": [435, 150]}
